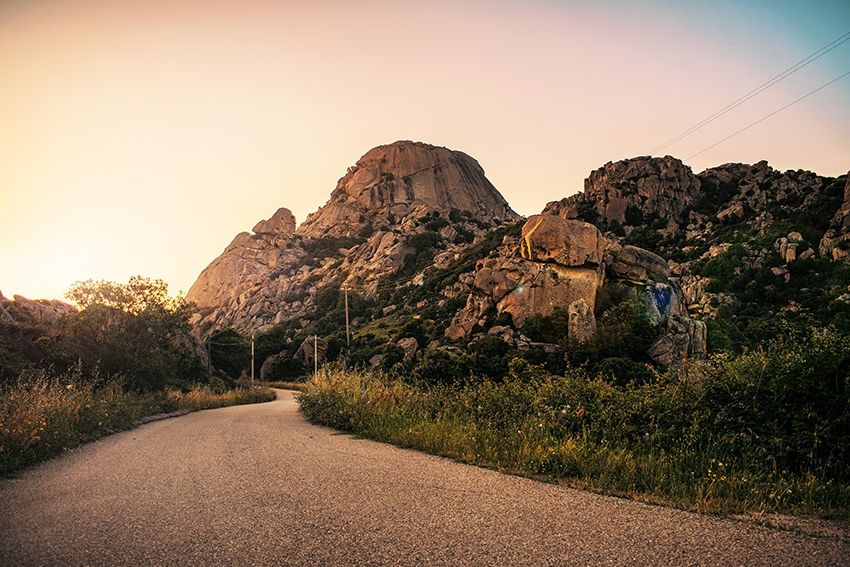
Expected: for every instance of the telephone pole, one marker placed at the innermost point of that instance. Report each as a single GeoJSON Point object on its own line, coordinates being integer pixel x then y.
{"type": "Point", "coordinates": [347, 331]}
{"type": "Point", "coordinates": [209, 358]}
{"type": "Point", "coordinates": [252, 360]}
{"type": "Point", "coordinates": [315, 355]}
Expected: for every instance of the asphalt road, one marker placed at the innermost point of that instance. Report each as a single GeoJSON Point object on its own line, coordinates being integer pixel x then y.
{"type": "Point", "coordinates": [258, 485]}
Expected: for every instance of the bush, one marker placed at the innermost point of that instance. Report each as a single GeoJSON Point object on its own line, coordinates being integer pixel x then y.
{"type": "Point", "coordinates": [134, 329]}
{"type": "Point", "coordinates": [440, 367]}
{"type": "Point", "coordinates": [550, 328]}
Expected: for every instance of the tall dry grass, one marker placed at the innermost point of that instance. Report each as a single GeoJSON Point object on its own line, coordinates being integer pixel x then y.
{"type": "Point", "coordinates": [43, 413]}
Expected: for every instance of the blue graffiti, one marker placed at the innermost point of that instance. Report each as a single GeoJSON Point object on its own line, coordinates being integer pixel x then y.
{"type": "Point", "coordinates": [662, 295]}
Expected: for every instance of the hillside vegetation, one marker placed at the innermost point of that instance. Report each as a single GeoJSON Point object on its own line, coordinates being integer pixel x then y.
{"type": "Point", "coordinates": [68, 376]}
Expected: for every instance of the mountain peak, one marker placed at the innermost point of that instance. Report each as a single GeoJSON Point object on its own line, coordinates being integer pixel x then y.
{"type": "Point", "coordinates": [388, 182]}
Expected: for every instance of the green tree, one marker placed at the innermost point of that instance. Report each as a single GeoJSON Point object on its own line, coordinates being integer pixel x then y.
{"type": "Point", "coordinates": [230, 353]}
{"type": "Point", "coordinates": [136, 330]}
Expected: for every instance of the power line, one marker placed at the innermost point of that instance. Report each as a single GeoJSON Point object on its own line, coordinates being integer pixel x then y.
{"type": "Point", "coordinates": [763, 118]}
{"type": "Point", "coordinates": [738, 102]}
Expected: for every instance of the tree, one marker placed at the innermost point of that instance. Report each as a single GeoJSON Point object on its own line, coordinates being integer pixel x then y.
{"type": "Point", "coordinates": [136, 330]}
{"type": "Point", "coordinates": [230, 352]}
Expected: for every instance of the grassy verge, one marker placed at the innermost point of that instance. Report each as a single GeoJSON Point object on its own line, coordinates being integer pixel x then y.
{"type": "Point", "coordinates": [739, 436]}
{"type": "Point", "coordinates": [42, 414]}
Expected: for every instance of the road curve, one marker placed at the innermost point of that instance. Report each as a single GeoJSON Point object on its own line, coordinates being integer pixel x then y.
{"type": "Point", "coordinates": [258, 485]}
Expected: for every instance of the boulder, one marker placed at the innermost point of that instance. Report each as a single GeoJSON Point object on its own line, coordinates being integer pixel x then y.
{"type": "Point", "coordinates": [306, 350]}
{"type": "Point", "coordinates": [550, 238]}
{"type": "Point", "coordinates": [635, 264]}
{"type": "Point", "coordinates": [41, 312]}
{"type": "Point", "coordinates": [682, 339]}
{"type": "Point", "coordinates": [409, 345]}
{"type": "Point", "coordinates": [503, 332]}
{"type": "Point", "coordinates": [582, 323]}
{"type": "Point", "coordinates": [268, 366]}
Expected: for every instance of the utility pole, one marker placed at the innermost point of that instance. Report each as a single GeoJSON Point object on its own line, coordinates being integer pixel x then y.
{"type": "Point", "coordinates": [347, 331]}
{"type": "Point", "coordinates": [315, 355]}
{"type": "Point", "coordinates": [252, 360]}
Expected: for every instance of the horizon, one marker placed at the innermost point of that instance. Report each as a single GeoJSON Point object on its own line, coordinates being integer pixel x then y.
{"type": "Point", "coordinates": [141, 138]}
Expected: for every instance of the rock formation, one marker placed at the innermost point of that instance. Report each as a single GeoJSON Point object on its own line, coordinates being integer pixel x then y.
{"type": "Point", "coordinates": [631, 190]}
{"type": "Point", "coordinates": [835, 243]}
{"type": "Point", "coordinates": [390, 181]}
{"type": "Point", "coordinates": [363, 235]}
{"type": "Point", "coordinates": [409, 219]}
{"type": "Point", "coordinates": [39, 312]}
{"type": "Point", "coordinates": [563, 263]}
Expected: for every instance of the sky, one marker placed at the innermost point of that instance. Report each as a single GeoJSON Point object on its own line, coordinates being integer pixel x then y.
{"type": "Point", "coordinates": [140, 136]}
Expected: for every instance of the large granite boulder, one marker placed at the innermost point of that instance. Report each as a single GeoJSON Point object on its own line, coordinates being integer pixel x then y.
{"type": "Point", "coordinates": [550, 238]}
{"type": "Point", "coordinates": [311, 349]}
{"type": "Point", "coordinates": [635, 264]}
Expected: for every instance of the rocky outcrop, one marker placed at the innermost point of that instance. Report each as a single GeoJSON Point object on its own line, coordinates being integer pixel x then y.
{"type": "Point", "coordinates": [835, 243]}
{"type": "Point", "coordinates": [390, 181]}
{"type": "Point", "coordinates": [243, 287]}
{"type": "Point", "coordinates": [555, 264]}
{"type": "Point", "coordinates": [562, 263]}
{"type": "Point", "coordinates": [408, 215]}
{"type": "Point", "coordinates": [45, 313]}
{"type": "Point", "coordinates": [281, 224]}
{"type": "Point", "coordinates": [410, 346]}
{"type": "Point", "coordinates": [633, 191]}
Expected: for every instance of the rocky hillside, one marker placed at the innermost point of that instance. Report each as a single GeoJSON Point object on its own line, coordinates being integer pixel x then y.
{"type": "Point", "coordinates": [651, 264]}
{"type": "Point", "coordinates": [389, 214]}
{"type": "Point", "coordinates": [42, 313]}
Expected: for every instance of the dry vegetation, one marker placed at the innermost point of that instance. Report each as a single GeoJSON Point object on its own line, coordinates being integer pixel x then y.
{"type": "Point", "coordinates": [43, 413]}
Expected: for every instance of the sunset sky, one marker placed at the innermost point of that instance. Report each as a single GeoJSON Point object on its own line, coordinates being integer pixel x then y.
{"type": "Point", "coordinates": [140, 136]}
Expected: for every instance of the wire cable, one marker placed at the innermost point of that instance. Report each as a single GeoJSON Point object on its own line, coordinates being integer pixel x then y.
{"type": "Point", "coordinates": [756, 91]}
{"type": "Point", "coordinates": [775, 112]}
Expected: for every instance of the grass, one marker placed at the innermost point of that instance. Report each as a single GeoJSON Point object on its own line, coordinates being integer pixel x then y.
{"type": "Point", "coordinates": [43, 414]}
{"type": "Point", "coordinates": [718, 440]}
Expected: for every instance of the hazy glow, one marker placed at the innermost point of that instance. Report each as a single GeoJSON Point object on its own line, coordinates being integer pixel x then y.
{"type": "Point", "coordinates": [140, 136]}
